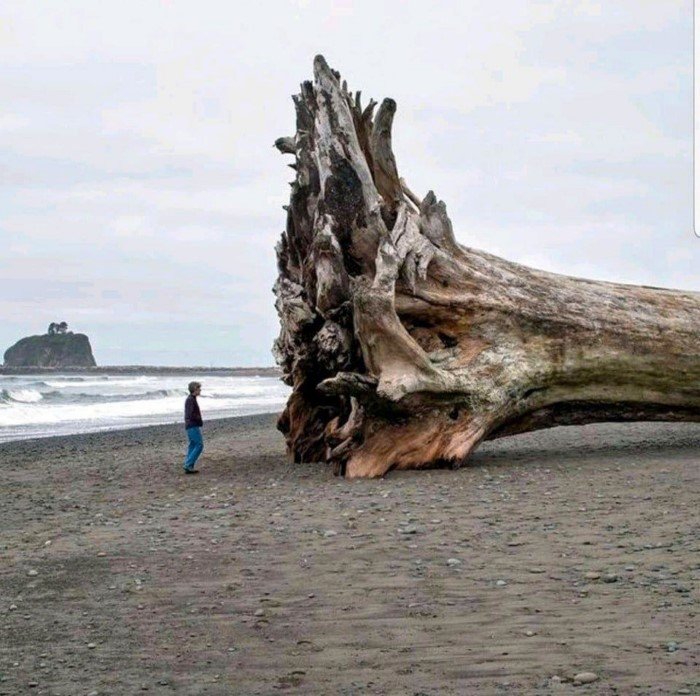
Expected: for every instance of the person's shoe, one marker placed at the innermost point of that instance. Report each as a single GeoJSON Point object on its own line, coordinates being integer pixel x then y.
{"type": "Point", "coordinates": [191, 471]}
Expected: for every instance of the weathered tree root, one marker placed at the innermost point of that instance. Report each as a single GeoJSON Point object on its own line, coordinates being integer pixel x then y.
{"type": "Point", "coordinates": [405, 349]}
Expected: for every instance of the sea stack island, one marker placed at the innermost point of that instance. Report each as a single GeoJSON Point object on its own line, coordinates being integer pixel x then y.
{"type": "Point", "coordinates": [58, 347]}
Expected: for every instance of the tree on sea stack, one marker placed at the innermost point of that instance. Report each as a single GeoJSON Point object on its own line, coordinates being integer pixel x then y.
{"type": "Point", "coordinates": [406, 349]}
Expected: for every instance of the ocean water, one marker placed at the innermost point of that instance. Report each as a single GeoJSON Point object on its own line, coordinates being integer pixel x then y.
{"type": "Point", "coordinates": [47, 405]}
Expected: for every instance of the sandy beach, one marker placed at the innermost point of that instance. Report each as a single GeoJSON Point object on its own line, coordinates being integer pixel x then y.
{"type": "Point", "coordinates": [554, 553]}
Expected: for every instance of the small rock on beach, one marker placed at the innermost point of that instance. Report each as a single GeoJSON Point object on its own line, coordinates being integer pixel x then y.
{"type": "Point", "coordinates": [585, 678]}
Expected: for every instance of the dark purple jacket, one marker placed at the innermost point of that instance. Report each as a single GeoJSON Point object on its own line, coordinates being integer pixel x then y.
{"type": "Point", "coordinates": [193, 417]}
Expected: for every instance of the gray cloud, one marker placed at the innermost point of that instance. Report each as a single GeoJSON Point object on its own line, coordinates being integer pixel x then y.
{"type": "Point", "coordinates": [141, 195]}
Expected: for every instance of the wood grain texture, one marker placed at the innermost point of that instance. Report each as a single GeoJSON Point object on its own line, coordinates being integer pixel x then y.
{"type": "Point", "coordinates": [405, 349]}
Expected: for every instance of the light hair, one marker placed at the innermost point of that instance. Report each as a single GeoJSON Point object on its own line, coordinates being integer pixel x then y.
{"type": "Point", "coordinates": [192, 386]}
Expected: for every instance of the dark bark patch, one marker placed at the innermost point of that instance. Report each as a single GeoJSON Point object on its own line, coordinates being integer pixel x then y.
{"type": "Point", "coordinates": [343, 196]}
{"type": "Point", "coordinates": [447, 340]}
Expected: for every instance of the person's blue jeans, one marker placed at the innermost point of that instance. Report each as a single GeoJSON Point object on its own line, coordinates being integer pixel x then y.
{"type": "Point", "coordinates": [195, 447]}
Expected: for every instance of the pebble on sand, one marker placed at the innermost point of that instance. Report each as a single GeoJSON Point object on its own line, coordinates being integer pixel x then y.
{"type": "Point", "coordinates": [585, 678]}
{"type": "Point", "coordinates": [409, 529]}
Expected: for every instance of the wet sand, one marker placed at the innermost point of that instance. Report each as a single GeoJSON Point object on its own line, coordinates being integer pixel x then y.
{"type": "Point", "coordinates": [554, 553]}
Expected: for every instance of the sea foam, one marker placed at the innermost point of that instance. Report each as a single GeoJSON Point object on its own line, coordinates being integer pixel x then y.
{"type": "Point", "coordinates": [37, 406]}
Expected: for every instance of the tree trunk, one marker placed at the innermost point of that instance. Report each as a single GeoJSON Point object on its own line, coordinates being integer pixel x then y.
{"type": "Point", "coordinates": [405, 349]}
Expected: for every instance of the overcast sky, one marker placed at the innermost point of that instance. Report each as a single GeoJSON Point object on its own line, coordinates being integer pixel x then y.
{"type": "Point", "coordinates": [141, 197]}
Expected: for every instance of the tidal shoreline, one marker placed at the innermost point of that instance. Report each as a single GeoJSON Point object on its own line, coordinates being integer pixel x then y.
{"type": "Point", "coordinates": [49, 405]}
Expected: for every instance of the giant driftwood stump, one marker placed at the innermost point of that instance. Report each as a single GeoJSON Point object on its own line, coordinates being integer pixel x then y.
{"type": "Point", "coordinates": [406, 349]}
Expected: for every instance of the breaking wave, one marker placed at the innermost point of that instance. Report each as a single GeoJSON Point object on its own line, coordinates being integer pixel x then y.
{"type": "Point", "coordinates": [37, 406]}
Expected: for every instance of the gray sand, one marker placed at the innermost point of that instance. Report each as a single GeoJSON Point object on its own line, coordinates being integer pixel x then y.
{"type": "Point", "coordinates": [573, 550]}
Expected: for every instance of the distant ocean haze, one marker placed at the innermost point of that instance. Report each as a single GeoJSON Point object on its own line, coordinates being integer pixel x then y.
{"type": "Point", "coordinates": [45, 405]}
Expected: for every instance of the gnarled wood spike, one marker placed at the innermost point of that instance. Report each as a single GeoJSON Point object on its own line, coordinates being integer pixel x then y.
{"type": "Point", "coordinates": [385, 174]}
{"type": "Point", "coordinates": [285, 145]}
{"type": "Point", "coordinates": [435, 224]}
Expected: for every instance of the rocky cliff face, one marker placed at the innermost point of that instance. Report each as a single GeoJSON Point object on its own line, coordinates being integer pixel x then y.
{"type": "Point", "coordinates": [51, 350]}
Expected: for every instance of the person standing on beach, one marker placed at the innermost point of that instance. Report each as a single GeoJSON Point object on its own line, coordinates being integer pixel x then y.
{"type": "Point", "coordinates": [193, 427]}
